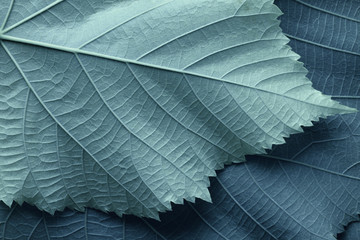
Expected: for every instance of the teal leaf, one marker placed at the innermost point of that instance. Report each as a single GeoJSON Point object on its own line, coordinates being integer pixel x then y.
{"type": "Point", "coordinates": [127, 106]}
{"type": "Point", "coordinates": [333, 142]}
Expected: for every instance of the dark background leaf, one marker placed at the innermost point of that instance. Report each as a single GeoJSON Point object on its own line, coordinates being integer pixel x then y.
{"type": "Point", "coordinates": [352, 232]}
{"type": "Point", "coordinates": [308, 188]}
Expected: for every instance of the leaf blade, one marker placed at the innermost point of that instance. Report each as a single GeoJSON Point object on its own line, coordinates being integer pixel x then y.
{"type": "Point", "coordinates": [127, 131]}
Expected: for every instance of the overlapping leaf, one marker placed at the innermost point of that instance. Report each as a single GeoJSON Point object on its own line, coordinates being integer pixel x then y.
{"type": "Point", "coordinates": [127, 106]}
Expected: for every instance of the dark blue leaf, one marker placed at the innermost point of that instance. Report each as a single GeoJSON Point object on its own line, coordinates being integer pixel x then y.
{"type": "Point", "coordinates": [352, 232]}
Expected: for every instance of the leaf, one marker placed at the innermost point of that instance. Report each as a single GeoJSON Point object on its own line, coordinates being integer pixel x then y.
{"type": "Point", "coordinates": [352, 232]}
{"type": "Point", "coordinates": [304, 190]}
{"type": "Point", "coordinates": [112, 105]}
{"type": "Point", "coordinates": [322, 152]}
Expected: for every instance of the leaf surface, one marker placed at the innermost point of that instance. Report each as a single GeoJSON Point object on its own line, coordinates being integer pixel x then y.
{"type": "Point", "coordinates": [326, 155]}
{"type": "Point", "coordinates": [306, 189]}
{"type": "Point", "coordinates": [127, 106]}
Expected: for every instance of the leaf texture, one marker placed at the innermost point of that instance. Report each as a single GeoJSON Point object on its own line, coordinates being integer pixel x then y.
{"type": "Point", "coordinates": [307, 188]}
{"type": "Point", "coordinates": [127, 106]}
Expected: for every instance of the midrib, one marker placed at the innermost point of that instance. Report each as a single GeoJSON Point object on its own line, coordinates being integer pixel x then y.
{"type": "Point", "coordinates": [4, 37]}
